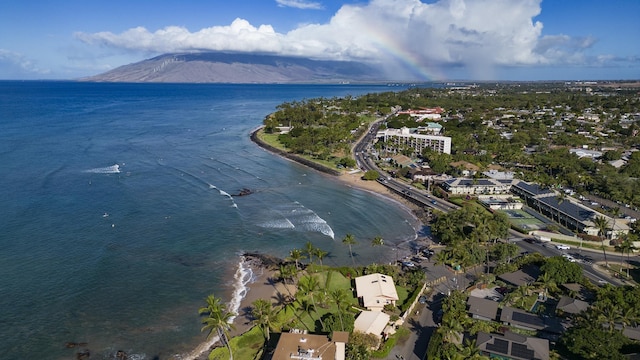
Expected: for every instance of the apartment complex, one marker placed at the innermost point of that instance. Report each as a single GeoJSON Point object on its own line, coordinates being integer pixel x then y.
{"type": "Point", "coordinates": [397, 139]}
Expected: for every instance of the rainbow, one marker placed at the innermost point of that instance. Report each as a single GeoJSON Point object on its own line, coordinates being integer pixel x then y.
{"type": "Point", "coordinates": [395, 50]}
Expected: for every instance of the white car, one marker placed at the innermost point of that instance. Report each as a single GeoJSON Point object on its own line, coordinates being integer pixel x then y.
{"type": "Point", "coordinates": [569, 257]}
{"type": "Point", "coordinates": [563, 247]}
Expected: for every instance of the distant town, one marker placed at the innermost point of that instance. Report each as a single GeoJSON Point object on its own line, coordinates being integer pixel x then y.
{"type": "Point", "coordinates": [529, 190]}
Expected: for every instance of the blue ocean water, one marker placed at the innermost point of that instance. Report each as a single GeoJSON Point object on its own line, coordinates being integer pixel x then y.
{"type": "Point", "coordinates": [118, 219]}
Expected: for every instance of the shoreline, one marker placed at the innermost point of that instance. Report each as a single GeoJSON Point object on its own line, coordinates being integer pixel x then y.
{"type": "Point", "coordinates": [263, 268]}
{"type": "Point", "coordinates": [350, 179]}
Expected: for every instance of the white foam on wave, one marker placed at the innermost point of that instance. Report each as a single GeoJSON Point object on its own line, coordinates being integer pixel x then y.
{"type": "Point", "coordinates": [283, 223]}
{"type": "Point", "coordinates": [225, 194]}
{"type": "Point", "coordinates": [113, 169]}
{"type": "Point", "coordinates": [296, 216]}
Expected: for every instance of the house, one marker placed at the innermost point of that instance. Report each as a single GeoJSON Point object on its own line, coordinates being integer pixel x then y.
{"type": "Point", "coordinates": [571, 306]}
{"type": "Point", "coordinates": [482, 309]}
{"type": "Point", "coordinates": [376, 291]}
{"type": "Point", "coordinates": [527, 275]}
{"type": "Point", "coordinates": [521, 319]}
{"type": "Point", "coordinates": [372, 322]}
{"type": "Point", "coordinates": [300, 345]}
{"type": "Point", "coordinates": [512, 346]}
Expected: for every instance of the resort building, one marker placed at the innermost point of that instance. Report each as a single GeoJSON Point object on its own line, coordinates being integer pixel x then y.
{"type": "Point", "coordinates": [466, 186]}
{"type": "Point", "coordinates": [566, 211]}
{"type": "Point", "coordinates": [426, 113]}
{"type": "Point", "coordinates": [298, 344]}
{"type": "Point", "coordinates": [376, 291]}
{"type": "Point", "coordinates": [395, 140]}
{"type": "Point", "coordinates": [512, 346]}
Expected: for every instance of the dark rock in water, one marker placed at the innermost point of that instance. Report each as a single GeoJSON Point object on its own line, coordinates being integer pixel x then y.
{"type": "Point", "coordinates": [264, 260]}
{"type": "Point", "coordinates": [244, 192]}
{"type": "Point", "coordinates": [83, 355]}
{"type": "Point", "coordinates": [121, 355]}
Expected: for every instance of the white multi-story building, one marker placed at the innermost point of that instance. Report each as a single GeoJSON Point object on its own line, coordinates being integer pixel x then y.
{"type": "Point", "coordinates": [405, 137]}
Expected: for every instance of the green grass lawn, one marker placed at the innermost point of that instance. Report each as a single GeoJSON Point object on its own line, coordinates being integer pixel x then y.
{"type": "Point", "coordinates": [250, 345]}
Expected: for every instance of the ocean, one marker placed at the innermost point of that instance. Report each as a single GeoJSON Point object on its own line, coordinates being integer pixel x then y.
{"type": "Point", "coordinates": [118, 216]}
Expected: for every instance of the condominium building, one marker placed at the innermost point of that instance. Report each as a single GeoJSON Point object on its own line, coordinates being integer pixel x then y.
{"type": "Point", "coordinates": [398, 139]}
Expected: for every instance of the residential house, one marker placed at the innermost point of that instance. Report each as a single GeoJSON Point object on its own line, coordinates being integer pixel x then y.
{"type": "Point", "coordinates": [512, 346]}
{"type": "Point", "coordinates": [521, 319]}
{"type": "Point", "coordinates": [571, 306]}
{"type": "Point", "coordinates": [298, 344]}
{"type": "Point", "coordinates": [373, 322]}
{"type": "Point", "coordinates": [481, 308]}
{"type": "Point", "coordinates": [376, 291]}
{"type": "Point", "coordinates": [527, 275]}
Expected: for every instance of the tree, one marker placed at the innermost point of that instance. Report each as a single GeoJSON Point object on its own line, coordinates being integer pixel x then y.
{"type": "Point", "coordinates": [561, 270]}
{"type": "Point", "coordinates": [296, 255]}
{"type": "Point", "coordinates": [371, 175]}
{"type": "Point", "coordinates": [339, 297]}
{"type": "Point", "coordinates": [309, 251]}
{"type": "Point", "coordinates": [264, 316]}
{"type": "Point", "coordinates": [603, 225]}
{"type": "Point", "coordinates": [320, 254]}
{"type": "Point", "coordinates": [350, 240]}
{"type": "Point", "coordinates": [218, 319]}
{"type": "Point", "coordinates": [593, 342]}
{"type": "Point", "coordinates": [626, 244]}
{"type": "Point", "coordinates": [309, 286]}
{"type": "Point", "coordinates": [546, 281]}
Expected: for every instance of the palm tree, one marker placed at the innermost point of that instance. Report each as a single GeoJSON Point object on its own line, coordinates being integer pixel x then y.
{"type": "Point", "coordinates": [546, 281]}
{"type": "Point", "coordinates": [377, 241]}
{"type": "Point", "coordinates": [602, 225]}
{"type": "Point", "coordinates": [309, 251]}
{"type": "Point", "coordinates": [296, 255]}
{"type": "Point", "coordinates": [309, 285]}
{"type": "Point", "coordinates": [625, 245]}
{"type": "Point", "coordinates": [320, 254]}
{"type": "Point", "coordinates": [450, 328]}
{"type": "Point", "coordinates": [350, 240]}
{"type": "Point", "coordinates": [306, 307]}
{"type": "Point", "coordinates": [339, 297]}
{"type": "Point", "coordinates": [264, 316]}
{"type": "Point", "coordinates": [218, 319]}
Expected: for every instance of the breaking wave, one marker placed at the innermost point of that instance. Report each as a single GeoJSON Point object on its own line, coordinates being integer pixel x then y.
{"type": "Point", "coordinates": [296, 216]}
{"type": "Point", "coordinates": [113, 169]}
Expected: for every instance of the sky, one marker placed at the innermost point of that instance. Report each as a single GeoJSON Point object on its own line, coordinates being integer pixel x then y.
{"type": "Point", "coordinates": [428, 40]}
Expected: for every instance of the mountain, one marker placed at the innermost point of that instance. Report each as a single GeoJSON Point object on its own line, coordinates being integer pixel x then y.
{"type": "Point", "coordinates": [219, 67]}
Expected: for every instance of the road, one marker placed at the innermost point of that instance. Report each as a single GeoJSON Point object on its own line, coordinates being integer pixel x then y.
{"type": "Point", "coordinates": [423, 322]}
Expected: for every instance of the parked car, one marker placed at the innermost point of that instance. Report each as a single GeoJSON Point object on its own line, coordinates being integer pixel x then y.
{"type": "Point", "coordinates": [422, 299]}
{"type": "Point", "coordinates": [563, 247]}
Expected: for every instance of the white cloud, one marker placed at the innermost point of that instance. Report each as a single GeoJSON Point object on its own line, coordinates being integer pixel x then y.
{"type": "Point", "coordinates": [474, 34]}
{"type": "Point", "coordinates": [10, 59]}
{"type": "Point", "coordinates": [300, 4]}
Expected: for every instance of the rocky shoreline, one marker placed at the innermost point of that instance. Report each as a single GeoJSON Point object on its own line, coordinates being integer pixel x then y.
{"type": "Point", "coordinates": [294, 157]}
